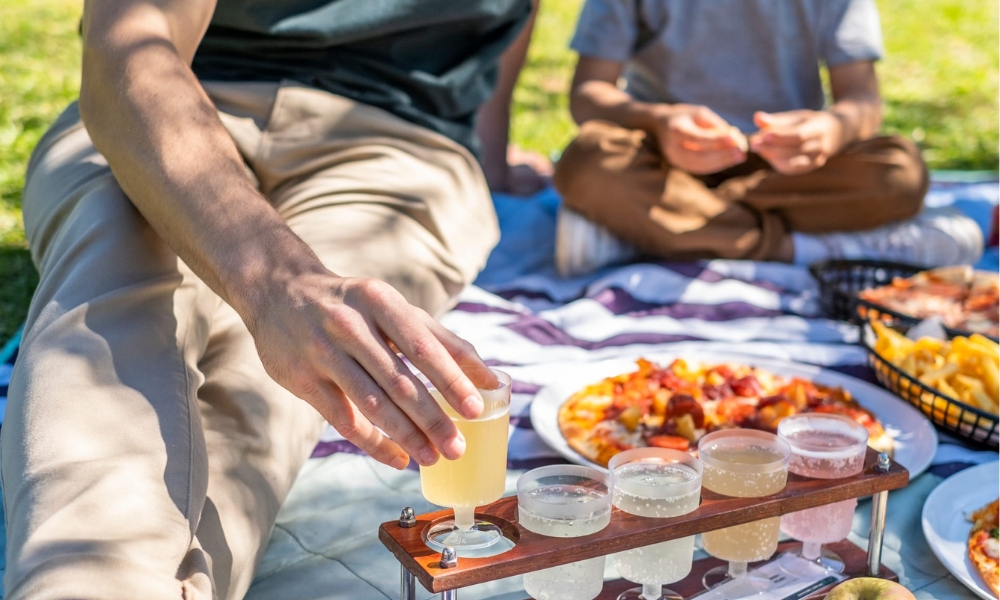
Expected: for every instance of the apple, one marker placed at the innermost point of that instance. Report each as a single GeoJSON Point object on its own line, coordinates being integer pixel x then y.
{"type": "Point", "coordinates": [869, 588]}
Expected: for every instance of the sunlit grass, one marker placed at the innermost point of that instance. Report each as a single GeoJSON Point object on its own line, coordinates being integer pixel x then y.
{"type": "Point", "coordinates": [40, 75]}
{"type": "Point", "coordinates": [939, 78]}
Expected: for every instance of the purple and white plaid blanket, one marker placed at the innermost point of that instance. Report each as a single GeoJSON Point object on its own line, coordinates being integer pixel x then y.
{"type": "Point", "coordinates": [522, 317]}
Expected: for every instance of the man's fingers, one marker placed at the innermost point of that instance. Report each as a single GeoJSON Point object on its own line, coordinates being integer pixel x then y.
{"type": "Point", "coordinates": [385, 412]}
{"type": "Point", "coordinates": [333, 404]}
{"type": "Point", "coordinates": [465, 355]}
{"type": "Point", "coordinates": [419, 344]}
{"type": "Point", "coordinates": [411, 396]}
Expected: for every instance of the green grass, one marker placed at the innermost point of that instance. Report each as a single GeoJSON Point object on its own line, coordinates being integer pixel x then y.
{"type": "Point", "coordinates": [540, 118]}
{"type": "Point", "coordinates": [39, 76]}
{"type": "Point", "coordinates": [939, 81]}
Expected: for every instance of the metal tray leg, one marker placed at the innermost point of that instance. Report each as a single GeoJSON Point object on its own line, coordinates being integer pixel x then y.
{"type": "Point", "coordinates": [876, 533]}
{"type": "Point", "coordinates": [449, 595]}
{"type": "Point", "coordinates": [407, 584]}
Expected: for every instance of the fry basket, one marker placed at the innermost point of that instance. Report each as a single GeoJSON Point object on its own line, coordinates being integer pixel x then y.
{"type": "Point", "coordinates": [948, 414]}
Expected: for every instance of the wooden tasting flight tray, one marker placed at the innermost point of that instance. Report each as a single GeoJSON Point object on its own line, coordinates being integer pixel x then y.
{"type": "Point", "coordinates": [533, 552]}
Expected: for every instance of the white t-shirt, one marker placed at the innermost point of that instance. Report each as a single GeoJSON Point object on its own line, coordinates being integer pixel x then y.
{"type": "Point", "coordinates": [734, 56]}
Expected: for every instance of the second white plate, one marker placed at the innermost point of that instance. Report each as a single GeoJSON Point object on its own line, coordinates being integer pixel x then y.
{"type": "Point", "coordinates": [945, 522]}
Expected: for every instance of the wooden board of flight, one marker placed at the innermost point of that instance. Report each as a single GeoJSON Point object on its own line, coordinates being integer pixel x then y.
{"type": "Point", "coordinates": [532, 551]}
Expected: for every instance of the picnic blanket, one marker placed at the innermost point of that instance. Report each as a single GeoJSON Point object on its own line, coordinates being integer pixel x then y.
{"type": "Point", "coordinates": [522, 317]}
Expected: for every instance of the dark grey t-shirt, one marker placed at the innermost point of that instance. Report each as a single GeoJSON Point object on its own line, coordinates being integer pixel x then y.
{"type": "Point", "coordinates": [734, 56]}
{"type": "Point", "coordinates": [432, 62]}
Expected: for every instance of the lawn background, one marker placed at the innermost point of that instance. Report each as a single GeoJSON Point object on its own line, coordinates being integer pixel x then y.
{"type": "Point", "coordinates": [939, 82]}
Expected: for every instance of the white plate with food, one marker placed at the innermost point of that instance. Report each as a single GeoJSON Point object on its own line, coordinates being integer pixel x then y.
{"type": "Point", "coordinates": [946, 523]}
{"type": "Point", "coordinates": [913, 439]}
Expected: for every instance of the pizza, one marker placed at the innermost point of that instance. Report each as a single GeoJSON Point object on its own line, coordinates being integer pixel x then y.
{"type": "Point", "coordinates": [674, 406]}
{"type": "Point", "coordinates": [984, 547]}
{"type": "Point", "coordinates": [963, 298]}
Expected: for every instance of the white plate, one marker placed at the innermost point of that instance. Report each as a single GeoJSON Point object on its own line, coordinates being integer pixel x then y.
{"type": "Point", "coordinates": [945, 524]}
{"type": "Point", "coordinates": [914, 436]}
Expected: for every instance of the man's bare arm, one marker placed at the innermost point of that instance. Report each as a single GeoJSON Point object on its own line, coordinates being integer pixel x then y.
{"type": "Point", "coordinates": [148, 115]}
{"type": "Point", "coordinates": [318, 334]}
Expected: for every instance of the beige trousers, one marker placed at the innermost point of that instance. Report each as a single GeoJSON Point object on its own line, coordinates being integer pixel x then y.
{"type": "Point", "coordinates": [145, 452]}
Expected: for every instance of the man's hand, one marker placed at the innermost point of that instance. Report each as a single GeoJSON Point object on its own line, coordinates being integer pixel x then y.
{"type": "Point", "coordinates": [697, 140]}
{"type": "Point", "coordinates": [334, 345]}
{"type": "Point", "coordinates": [797, 141]}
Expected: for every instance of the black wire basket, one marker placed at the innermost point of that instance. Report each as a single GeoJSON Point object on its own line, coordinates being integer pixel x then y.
{"type": "Point", "coordinates": [953, 416]}
{"type": "Point", "coordinates": [841, 280]}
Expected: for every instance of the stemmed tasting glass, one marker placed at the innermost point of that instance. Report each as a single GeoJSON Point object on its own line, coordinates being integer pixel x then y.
{"type": "Point", "coordinates": [824, 446]}
{"type": "Point", "coordinates": [743, 463]}
{"type": "Point", "coordinates": [565, 501]}
{"type": "Point", "coordinates": [656, 483]}
{"type": "Point", "coordinates": [478, 476]}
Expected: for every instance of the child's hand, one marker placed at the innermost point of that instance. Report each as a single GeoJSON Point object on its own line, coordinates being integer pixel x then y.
{"type": "Point", "coordinates": [696, 140]}
{"type": "Point", "coordinates": [797, 141]}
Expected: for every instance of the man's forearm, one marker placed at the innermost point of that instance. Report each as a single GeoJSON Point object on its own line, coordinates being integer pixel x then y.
{"type": "Point", "coordinates": [147, 114]}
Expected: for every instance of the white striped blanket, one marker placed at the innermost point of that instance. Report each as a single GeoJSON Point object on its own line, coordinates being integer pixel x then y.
{"type": "Point", "coordinates": [530, 317]}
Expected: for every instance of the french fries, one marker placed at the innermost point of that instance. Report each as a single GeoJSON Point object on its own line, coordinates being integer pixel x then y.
{"type": "Point", "coordinates": [966, 369]}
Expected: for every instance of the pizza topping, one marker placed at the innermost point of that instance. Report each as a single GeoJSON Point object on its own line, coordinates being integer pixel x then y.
{"type": "Point", "coordinates": [992, 547]}
{"type": "Point", "coordinates": [682, 404]}
{"type": "Point", "coordinates": [771, 414]}
{"type": "Point", "coordinates": [747, 387]}
{"type": "Point", "coordinates": [674, 406]}
{"type": "Point", "coordinates": [734, 412]}
{"type": "Point", "coordinates": [673, 442]}
{"type": "Point", "coordinates": [630, 416]}
{"type": "Point", "coordinates": [716, 391]}
{"type": "Point", "coordinates": [687, 429]}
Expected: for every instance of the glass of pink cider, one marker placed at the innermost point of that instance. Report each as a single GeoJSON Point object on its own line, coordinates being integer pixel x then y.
{"type": "Point", "coordinates": [824, 446]}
